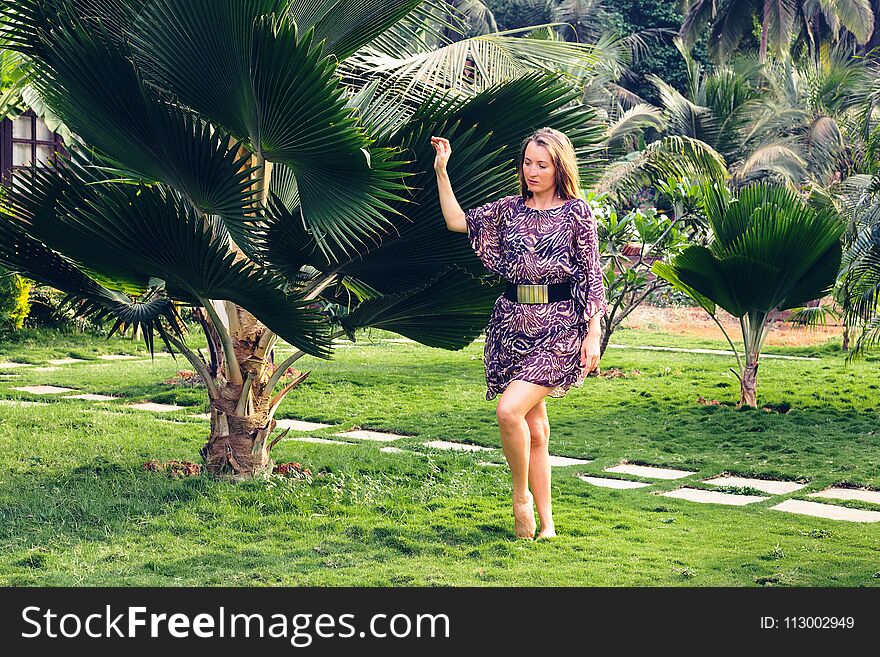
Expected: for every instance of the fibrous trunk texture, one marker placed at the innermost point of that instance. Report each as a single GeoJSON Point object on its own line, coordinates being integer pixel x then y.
{"type": "Point", "coordinates": [242, 419]}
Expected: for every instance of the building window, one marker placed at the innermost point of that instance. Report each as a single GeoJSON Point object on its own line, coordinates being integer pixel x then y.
{"type": "Point", "coordinates": [27, 143]}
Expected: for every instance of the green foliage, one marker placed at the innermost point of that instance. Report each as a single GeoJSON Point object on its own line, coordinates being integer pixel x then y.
{"type": "Point", "coordinates": [14, 300]}
{"type": "Point", "coordinates": [628, 245]}
{"type": "Point", "coordinates": [511, 14]}
{"type": "Point", "coordinates": [661, 58]}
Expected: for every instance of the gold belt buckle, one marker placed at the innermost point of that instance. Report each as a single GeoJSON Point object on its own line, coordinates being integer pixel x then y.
{"type": "Point", "coordinates": [532, 294]}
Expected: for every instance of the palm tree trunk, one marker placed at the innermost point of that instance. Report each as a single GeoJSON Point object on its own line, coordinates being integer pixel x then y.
{"type": "Point", "coordinates": [765, 30]}
{"type": "Point", "coordinates": [242, 415]}
{"type": "Point", "coordinates": [749, 382]}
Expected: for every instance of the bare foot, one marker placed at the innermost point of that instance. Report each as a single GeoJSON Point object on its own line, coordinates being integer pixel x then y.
{"type": "Point", "coordinates": [524, 518]}
{"type": "Point", "coordinates": [547, 532]}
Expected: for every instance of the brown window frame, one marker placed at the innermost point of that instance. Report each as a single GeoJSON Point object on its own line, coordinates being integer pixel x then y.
{"type": "Point", "coordinates": [7, 168]}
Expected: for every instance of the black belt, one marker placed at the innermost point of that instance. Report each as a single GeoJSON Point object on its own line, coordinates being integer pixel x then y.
{"type": "Point", "coordinates": [531, 293]}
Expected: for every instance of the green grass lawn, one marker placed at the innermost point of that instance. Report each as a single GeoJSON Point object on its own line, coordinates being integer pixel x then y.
{"type": "Point", "coordinates": [76, 507]}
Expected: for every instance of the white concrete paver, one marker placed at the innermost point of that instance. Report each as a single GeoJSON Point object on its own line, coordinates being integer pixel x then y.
{"type": "Point", "coordinates": [45, 390]}
{"type": "Point", "coordinates": [65, 361]}
{"type": "Point", "coordinates": [299, 425]}
{"type": "Point", "coordinates": [649, 471]}
{"type": "Point", "coordinates": [772, 486]}
{"type": "Point", "coordinates": [21, 402]}
{"type": "Point", "coordinates": [362, 434]}
{"type": "Point", "coordinates": [118, 357]}
{"type": "Point", "coordinates": [565, 461]}
{"type": "Point", "coordinates": [313, 439]}
{"type": "Point", "coordinates": [457, 447]}
{"type": "Point", "coordinates": [88, 396]}
{"type": "Point", "coordinates": [837, 493]}
{"type": "Point", "coordinates": [12, 366]}
{"type": "Point", "coordinates": [712, 496]}
{"type": "Point", "coordinates": [831, 511]}
{"type": "Point", "coordinates": [156, 408]}
{"type": "Point", "coordinates": [608, 482]}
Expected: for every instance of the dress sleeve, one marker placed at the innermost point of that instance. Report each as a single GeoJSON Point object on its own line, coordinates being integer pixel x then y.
{"type": "Point", "coordinates": [484, 232]}
{"type": "Point", "coordinates": [587, 286]}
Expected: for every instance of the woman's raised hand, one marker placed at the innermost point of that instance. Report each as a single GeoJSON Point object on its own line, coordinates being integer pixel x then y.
{"type": "Point", "coordinates": [444, 150]}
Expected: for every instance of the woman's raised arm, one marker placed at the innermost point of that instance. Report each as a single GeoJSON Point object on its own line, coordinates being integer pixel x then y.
{"type": "Point", "coordinates": [452, 212]}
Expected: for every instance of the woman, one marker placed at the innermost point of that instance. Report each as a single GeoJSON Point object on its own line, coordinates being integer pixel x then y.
{"type": "Point", "coordinates": [543, 334]}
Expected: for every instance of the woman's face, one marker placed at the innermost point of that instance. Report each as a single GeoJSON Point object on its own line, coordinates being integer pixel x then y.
{"type": "Point", "coordinates": [538, 169]}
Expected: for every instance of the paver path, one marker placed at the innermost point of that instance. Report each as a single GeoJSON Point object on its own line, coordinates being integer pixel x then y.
{"type": "Point", "coordinates": [44, 390]}
{"type": "Point", "coordinates": [827, 511]}
{"type": "Point", "coordinates": [712, 496]}
{"type": "Point", "coordinates": [772, 487]}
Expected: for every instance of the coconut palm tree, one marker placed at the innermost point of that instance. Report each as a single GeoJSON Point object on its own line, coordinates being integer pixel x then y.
{"type": "Point", "coordinates": [222, 162]}
{"type": "Point", "coordinates": [781, 21]}
{"type": "Point", "coordinates": [771, 251]}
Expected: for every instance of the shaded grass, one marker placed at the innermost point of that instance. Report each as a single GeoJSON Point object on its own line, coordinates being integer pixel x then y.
{"type": "Point", "coordinates": [77, 509]}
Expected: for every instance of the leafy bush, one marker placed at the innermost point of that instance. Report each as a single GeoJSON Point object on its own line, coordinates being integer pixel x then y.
{"type": "Point", "coordinates": [14, 300]}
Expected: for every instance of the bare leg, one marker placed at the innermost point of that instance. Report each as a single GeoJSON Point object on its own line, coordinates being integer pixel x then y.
{"type": "Point", "coordinates": [539, 466]}
{"type": "Point", "coordinates": [517, 400]}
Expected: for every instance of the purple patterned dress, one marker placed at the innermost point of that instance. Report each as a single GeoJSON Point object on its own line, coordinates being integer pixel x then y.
{"type": "Point", "coordinates": [538, 343]}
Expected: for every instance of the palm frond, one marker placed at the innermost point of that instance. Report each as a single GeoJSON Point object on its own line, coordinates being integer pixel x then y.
{"type": "Point", "coordinates": [248, 71]}
{"type": "Point", "coordinates": [448, 311]}
{"type": "Point", "coordinates": [674, 157]}
{"type": "Point", "coordinates": [635, 120]}
{"type": "Point", "coordinates": [475, 64]}
{"type": "Point", "coordinates": [137, 232]}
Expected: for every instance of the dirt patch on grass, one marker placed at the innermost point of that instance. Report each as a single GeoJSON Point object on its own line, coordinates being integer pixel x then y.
{"type": "Point", "coordinates": [695, 322]}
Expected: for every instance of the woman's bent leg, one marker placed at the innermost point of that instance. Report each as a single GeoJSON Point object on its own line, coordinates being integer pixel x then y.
{"type": "Point", "coordinates": [539, 466]}
{"type": "Point", "coordinates": [517, 400]}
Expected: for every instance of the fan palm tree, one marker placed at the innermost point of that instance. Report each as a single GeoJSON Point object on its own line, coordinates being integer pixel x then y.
{"type": "Point", "coordinates": [770, 251]}
{"type": "Point", "coordinates": [222, 163]}
{"type": "Point", "coordinates": [781, 21]}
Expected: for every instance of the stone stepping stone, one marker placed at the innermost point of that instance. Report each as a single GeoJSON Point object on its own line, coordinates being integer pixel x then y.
{"type": "Point", "coordinates": [21, 402]}
{"type": "Point", "coordinates": [712, 496]}
{"type": "Point", "coordinates": [203, 416]}
{"type": "Point", "coordinates": [65, 361]}
{"type": "Point", "coordinates": [12, 366]}
{"type": "Point", "coordinates": [370, 435]}
{"type": "Point", "coordinates": [772, 486]}
{"type": "Point", "coordinates": [45, 390]}
{"type": "Point", "coordinates": [837, 493]}
{"type": "Point", "coordinates": [298, 425]}
{"type": "Point", "coordinates": [156, 408]}
{"type": "Point", "coordinates": [565, 461]}
{"type": "Point", "coordinates": [609, 482]}
{"type": "Point", "coordinates": [397, 450]}
{"type": "Point", "coordinates": [313, 439]}
{"type": "Point", "coordinates": [458, 447]}
{"type": "Point", "coordinates": [489, 464]}
{"type": "Point", "coordinates": [118, 357]}
{"type": "Point", "coordinates": [649, 471]}
{"type": "Point", "coordinates": [46, 369]}
{"type": "Point", "coordinates": [831, 511]}
{"type": "Point", "coordinates": [88, 396]}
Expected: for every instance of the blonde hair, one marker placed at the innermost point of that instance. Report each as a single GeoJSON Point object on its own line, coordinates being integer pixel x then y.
{"type": "Point", "coordinates": [564, 159]}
